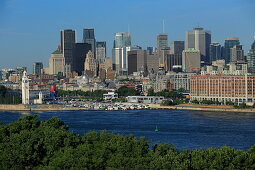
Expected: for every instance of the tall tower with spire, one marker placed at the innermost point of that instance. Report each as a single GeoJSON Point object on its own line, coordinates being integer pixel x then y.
{"type": "Point", "coordinates": [25, 88]}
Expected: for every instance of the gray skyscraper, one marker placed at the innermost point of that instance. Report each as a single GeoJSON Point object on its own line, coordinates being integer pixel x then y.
{"type": "Point", "coordinates": [237, 54]}
{"type": "Point", "coordinates": [199, 39]}
{"type": "Point", "coordinates": [37, 68]}
{"type": "Point", "coordinates": [251, 58]}
{"type": "Point", "coordinates": [67, 44]}
{"type": "Point", "coordinates": [162, 41]}
{"type": "Point", "coordinates": [137, 61]}
{"type": "Point", "coordinates": [229, 43]}
{"type": "Point", "coordinates": [89, 37]}
{"type": "Point", "coordinates": [101, 51]}
{"type": "Point", "coordinates": [215, 51]}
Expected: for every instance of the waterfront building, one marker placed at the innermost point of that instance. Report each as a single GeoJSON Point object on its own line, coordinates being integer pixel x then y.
{"type": "Point", "coordinates": [162, 42]}
{"type": "Point", "coordinates": [110, 96]}
{"type": "Point", "coordinates": [199, 39]}
{"type": "Point", "coordinates": [180, 80]}
{"type": "Point", "coordinates": [145, 99]}
{"type": "Point", "coordinates": [137, 61]}
{"type": "Point", "coordinates": [67, 45]}
{"type": "Point", "coordinates": [79, 55]}
{"type": "Point", "coordinates": [90, 65]}
{"type": "Point", "coordinates": [100, 51]}
{"type": "Point", "coordinates": [89, 38]}
{"type": "Point", "coordinates": [237, 54]}
{"type": "Point", "coordinates": [25, 88]}
{"type": "Point", "coordinates": [251, 58]}
{"type": "Point", "coordinates": [56, 63]}
{"type": "Point", "coordinates": [37, 68]}
{"type": "Point", "coordinates": [215, 52]}
{"type": "Point", "coordinates": [229, 43]}
{"type": "Point", "coordinates": [191, 60]}
{"type": "Point", "coordinates": [177, 47]}
{"type": "Point", "coordinates": [235, 88]}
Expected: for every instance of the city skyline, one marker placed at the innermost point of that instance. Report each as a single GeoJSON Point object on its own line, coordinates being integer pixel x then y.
{"type": "Point", "coordinates": [19, 29]}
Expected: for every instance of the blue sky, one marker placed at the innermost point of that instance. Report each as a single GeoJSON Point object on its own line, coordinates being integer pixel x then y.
{"type": "Point", "coordinates": [29, 29]}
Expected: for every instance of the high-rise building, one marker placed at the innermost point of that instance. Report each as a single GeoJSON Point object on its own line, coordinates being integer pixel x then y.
{"type": "Point", "coordinates": [152, 62]}
{"type": "Point", "coordinates": [137, 61]}
{"type": "Point", "coordinates": [67, 46]}
{"type": "Point", "coordinates": [229, 43]}
{"type": "Point", "coordinates": [90, 65]}
{"type": "Point", "coordinates": [173, 60]}
{"type": "Point", "coordinates": [79, 54]}
{"type": "Point", "coordinates": [37, 68]}
{"type": "Point", "coordinates": [89, 37]}
{"type": "Point", "coordinates": [237, 54]}
{"type": "Point", "coordinates": [215, 51]}
{"type": "Point", "coordinates": [122, 39]}
{"type": "Point", "coordinates": [57, 63]}
{"type": "Point", "coordinates": [199, 39]}
{"type": "Point", "coordinates": [191, 60]}
{"type": "Point", "coordinates": [162, 41]}
{"type": "Point", "coordinates": [100, 51]}
{"type": "Point", "coordinates": [251, 58]}
{"type": "Point", "coordinates": [177, 47]}
{"type": "Point", "coordinates": [151, 50]}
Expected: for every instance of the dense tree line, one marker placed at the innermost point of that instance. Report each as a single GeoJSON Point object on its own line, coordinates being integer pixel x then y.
{"type": "Point", "coordinates": [166, 93]}
{"type": "Point", "coordinates": [6, 97]}
{"type": "Point", "coordinates": [32, 144]}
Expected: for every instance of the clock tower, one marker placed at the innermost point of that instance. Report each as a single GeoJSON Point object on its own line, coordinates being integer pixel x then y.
{"type": "Point", "coordinates": [25, 88]}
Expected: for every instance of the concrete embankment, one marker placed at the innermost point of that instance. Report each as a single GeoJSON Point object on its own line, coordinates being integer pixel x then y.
{"type": "Point", "coordinates": [21, 107]}
{"type": "Point", "coordinates": [204, 108]}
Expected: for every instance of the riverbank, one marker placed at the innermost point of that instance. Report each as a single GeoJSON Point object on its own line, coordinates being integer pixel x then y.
{"type": "Point", "coordinates": [209, 108]}
{"type": "Point", "coordinates": [195, 107]}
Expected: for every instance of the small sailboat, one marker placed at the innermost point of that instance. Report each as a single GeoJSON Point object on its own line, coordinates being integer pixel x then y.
{"type": "Point", "coordinates": [156, 129]}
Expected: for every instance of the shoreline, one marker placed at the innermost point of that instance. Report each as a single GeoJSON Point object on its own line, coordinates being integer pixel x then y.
{"type": "Point", "coordinates": [193, 107]}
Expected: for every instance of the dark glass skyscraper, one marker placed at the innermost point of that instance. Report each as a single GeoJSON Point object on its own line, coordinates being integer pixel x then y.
{"type": "Point", "coordinates": [215, 52]}
{"type": "Point", "coordinates": [67, 44]}
{"type": "Point", "coordinates": [177, 47]}
{"type": "Point", "coordinates": [37, 68]}
{"type": "Point", "coordinates": [89, 37]}
{"type": "Point", "coordinates": [79, 54]}
{"type": "Point", "coordinates": [162, 41]}
{"type": "Point", "coordinates": [229, 43]}
{"type": "Point", "coordinates": [251, 59]}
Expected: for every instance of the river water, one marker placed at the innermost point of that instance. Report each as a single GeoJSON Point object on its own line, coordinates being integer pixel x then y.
{"type": "Point", "coordinates": [185, 129]}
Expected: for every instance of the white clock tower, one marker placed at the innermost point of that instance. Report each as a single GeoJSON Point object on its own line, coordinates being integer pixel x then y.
{"type": "Point", "coordinates": [25, 88]}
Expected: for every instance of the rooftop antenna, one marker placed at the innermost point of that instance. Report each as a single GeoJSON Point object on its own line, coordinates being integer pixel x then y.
{"type": "Point", "coordinates": [128, 29]}
{"type": "Point", "coordinates": [163, 26]}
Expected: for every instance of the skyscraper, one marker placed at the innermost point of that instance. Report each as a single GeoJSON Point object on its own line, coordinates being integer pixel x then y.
{"type": "Point", "coordinates": [229, 43]}
{"type": "Point", "coordinates": [162, 41]}
{"type": "Point", "coordinates": [67, 46]}
{"type": "Point", "coordinates": [215, 51]}
{"type": "Point", "coordinates": [100, 51]}
{"type": "Point", "coordinates": [89, 37]}
{"type": "Point", "coordinates": [237, 54]}
{"type": "Point", "coordinates": [122, 39]}
{"type": "Point", "coordinates": [37, 68]}
{"type": "Point", "coordinates": [137, 61]}
{"type": "Point", "coordinates": [191, 60]}
{"type": "Point", "coordinates": [122, 44]}
{"type": "Point", "coordinates": [177, 47]}
{"type": "Point", "coordinates": [251, 58]}
{"type": "Point", "coordinates": [199, 39]}
{"type": "Point", "coordinates": [79, 54]}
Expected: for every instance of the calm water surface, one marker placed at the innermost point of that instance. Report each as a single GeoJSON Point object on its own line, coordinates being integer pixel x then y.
{"type": "Point", "coordinates": [184, 129]}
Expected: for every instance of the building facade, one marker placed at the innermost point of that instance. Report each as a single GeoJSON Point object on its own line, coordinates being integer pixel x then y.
{"type": "Point", "coordinates": [177, 47]}
{"type": "Point", "coordinates": [251, 59]}
{"type": "Point", "coordinates": [235, 88]}
{"type": "Point", "coordinates": [37, 68]}
{"type": "Point", "coordinates": [67, 45]}
{"type": "Point", "coordinates": [229, 43]}
{"type": "Point", "coordinates": [100, 51]}
{"type": "Point", "coordinates": [90, 65]}
{"type": "Point", "coordinates": [137, 61]}
{"type": "Point", "coordinates": [237, 54]}
{"type": "Point", "coordinates": [215, 52]}
{"type": "Point", "coordinates": [57, 63]}
{"type": "Point", "coordinates": [162, 41]}
{"type": "Point", "coordinates": [191, 60]}
{"type": "Point", "coordinates": [89, 38]}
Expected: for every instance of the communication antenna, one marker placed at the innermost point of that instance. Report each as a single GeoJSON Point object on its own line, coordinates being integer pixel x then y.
{"type": "Point", "coordinates": [128, 28]}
